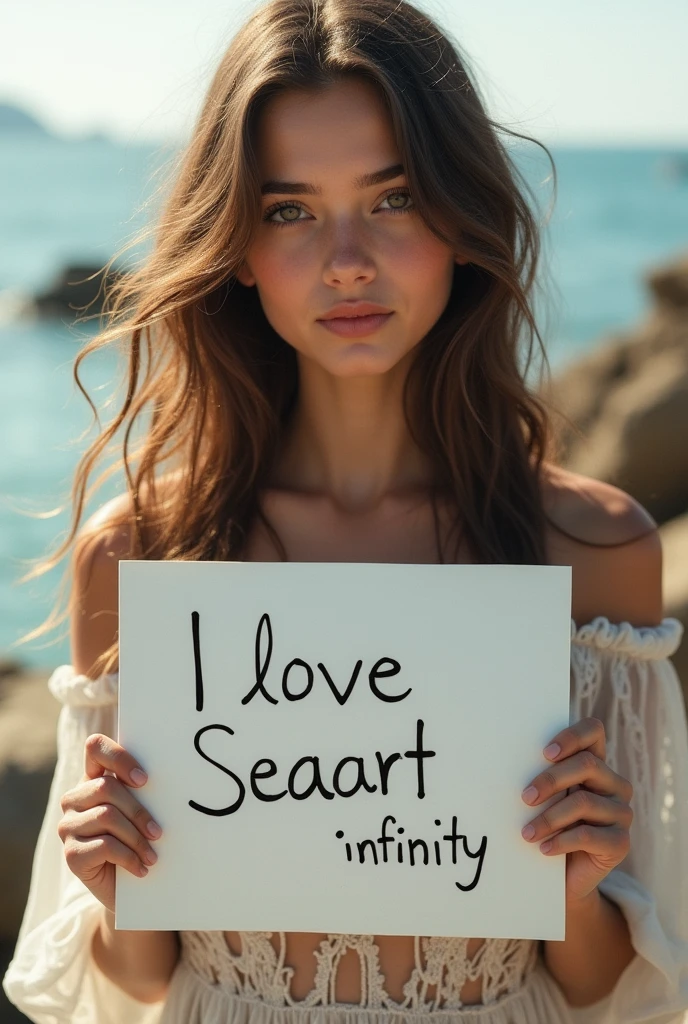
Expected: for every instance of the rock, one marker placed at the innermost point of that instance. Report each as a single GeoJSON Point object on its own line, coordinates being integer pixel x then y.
{"type": "Point", "coordinates": [669, 285]}
{"type": "Point", "coordinates": [28, 722]}
{"type": "Point", "coordinates": [9, 1014]}
{"type": "Point", "coordinates": [10, 667]}
{"type": "Point", "coordinates": [675, 586]}
{"type": "Point", "coordinates": [581, 389]}
{"type": "Point", "coordinates": [17, 120]}
{"type": "Point", "coordinates": [74, 288]}
{"type": "Point", "coordinates": [635, 441]}
{"type": "Point", "coordinates": [628, 403]}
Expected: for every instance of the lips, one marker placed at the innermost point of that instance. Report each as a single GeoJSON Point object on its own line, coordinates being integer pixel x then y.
{"type": "Point", "coordinates": [352, 310]}
{"type": "Point", "coordinates": [356, 326]}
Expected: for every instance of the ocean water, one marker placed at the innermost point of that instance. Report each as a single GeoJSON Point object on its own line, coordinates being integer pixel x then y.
{"type": "Point", "coordinates": [618, 213]}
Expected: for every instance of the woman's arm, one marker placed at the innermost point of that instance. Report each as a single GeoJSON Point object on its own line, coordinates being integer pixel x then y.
{"type": "Point", "coordinates": [627, 581]}
{"type": "Point", "coordinates": [140, 963]}
{"type": "Point", "coordinates": [595, 952]}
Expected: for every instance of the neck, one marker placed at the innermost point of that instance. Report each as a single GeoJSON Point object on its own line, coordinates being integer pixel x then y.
{"type": "Point", "coordinates": [349, 439]}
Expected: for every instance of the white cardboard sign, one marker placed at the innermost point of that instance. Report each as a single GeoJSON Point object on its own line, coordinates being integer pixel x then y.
{"type": "Point", "coordinates": [341, 748]}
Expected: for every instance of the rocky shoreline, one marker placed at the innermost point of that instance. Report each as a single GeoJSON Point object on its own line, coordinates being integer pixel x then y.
{"type": "Point", "coordinates": [28, 725]}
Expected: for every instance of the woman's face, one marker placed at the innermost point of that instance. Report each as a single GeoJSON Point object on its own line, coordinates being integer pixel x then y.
{"type": "Point", "coordinates": [337, 241]}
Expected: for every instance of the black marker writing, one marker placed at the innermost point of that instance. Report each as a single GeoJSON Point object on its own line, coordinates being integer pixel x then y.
{"type": "Point", "coordinates": [420, 754]}
{"type": "Point", "coordinates": [261, 665]}
{"type": "Point", "coordinates": [231, 808]}
{"type": "Point", "coordinates": [376, 672]}
{"type": "Point", "coordinates": [341, 698]}
{"type": "Point", "coordinates": [469, 853]}
{"type": "Point", "coordinates": [383, 668]}
{"type": "Point", "coordinates": [197, 660]}
{"type": "Point", "coordinates": [255, 774]}
{"type": "Point", "coordinates": [367, 849]}
{"type": "Point", "coordinates": [305, 777]}
{"type": "Point", "coordinates": [309, 680]}
{"type": "Point", "coordinates": [361, 781]}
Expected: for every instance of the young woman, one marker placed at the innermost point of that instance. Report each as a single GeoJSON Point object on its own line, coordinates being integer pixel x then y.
{"type": "Point", "coordinates": [328, 336]}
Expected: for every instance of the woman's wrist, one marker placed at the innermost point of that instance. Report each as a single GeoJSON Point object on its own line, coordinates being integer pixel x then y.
{"type": "Point", "coordinates": [585, 908]}
{"type": "Point", "coordinates": [141, 963]}
{"type": "Point", "coordinates": [597, 949]}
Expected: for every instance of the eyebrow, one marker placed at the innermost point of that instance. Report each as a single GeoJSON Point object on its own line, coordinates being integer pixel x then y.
{"type": "Point", "coordinates": [293, 188]}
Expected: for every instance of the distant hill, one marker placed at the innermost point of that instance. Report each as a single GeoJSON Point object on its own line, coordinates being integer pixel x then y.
{"type": "Point", "coordinates": [15, 119]}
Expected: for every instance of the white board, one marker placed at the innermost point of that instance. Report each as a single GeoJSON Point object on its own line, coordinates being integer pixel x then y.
{"type": "Point", "coordinates": [463, 675]}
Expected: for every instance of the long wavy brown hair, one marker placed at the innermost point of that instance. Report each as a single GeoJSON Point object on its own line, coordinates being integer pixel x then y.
{"type": "Point", "coordinates": [211, 386]}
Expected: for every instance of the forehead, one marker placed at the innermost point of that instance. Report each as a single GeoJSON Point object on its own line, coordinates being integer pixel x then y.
{"type": "Point", "coordinates": [307, 135]}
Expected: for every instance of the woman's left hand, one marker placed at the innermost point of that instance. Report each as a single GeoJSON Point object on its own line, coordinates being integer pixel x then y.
{"type": "Point", "coordinates": [591, 824]}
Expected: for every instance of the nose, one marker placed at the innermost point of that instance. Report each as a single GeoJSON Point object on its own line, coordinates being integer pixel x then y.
{"type": "Point", "coordinates": [349, 259]}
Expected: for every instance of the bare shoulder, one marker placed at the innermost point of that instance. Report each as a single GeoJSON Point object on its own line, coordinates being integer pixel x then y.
{"type": "Point", "coordinates": [105, 538]}
{"type": "Point", "coordinates": [613, 545]}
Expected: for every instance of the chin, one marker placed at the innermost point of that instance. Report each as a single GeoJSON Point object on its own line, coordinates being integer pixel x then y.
{"type": "Point", "coordinates": [361, 364]}
{"type": "Point", "coordinates": [362, 359]}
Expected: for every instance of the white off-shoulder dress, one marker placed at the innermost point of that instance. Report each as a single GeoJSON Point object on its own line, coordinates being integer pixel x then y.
{"type": "Point", "coordinates": [619, 673]}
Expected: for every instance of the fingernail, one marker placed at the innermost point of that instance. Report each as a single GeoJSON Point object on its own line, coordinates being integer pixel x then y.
{"type": "Point", "coordinates": [154, 830]}
{"type": "Point", "coordinates": [528, 832]}
{"type": "Point", "coordinates": [138, 776]}
{"type": "Point", "coordinates": [553, 750]}
{"type": "Point", "coordinates": [546, 847]}
{"type": "Point", "coordinates": [143, 869]}
{"type": "Point", "coordinates": [150, 856]}
{"type": "Point", "coordinates": [529, 794]}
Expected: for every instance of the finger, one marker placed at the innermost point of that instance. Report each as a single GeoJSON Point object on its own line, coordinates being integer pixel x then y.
{"type": "Point", "coordinates": [581, 806]}
{"type": "Point", "coordinates": [601, 841]}
{"type": "Point", "coordinates": [587, 734]}
{"type": "Point", "coordinates": [584, 769]}
{"type": "Point", "coordinates": [85, 857]}
{"type": "Point", "coordinates": [101, 753]}
{"type": "Point", "coordinates": [106, 819]}
{"type": "Point", "coordinates": [109, 790]}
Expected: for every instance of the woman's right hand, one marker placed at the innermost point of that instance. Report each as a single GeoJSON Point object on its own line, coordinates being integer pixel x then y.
{"type": "Point", "coordinates": [103, 823]}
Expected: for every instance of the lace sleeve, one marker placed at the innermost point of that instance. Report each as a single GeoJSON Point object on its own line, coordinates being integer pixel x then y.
{"type": "Point", "coordinates": [52, 977]}
{"type": "Point", "coordinates": [623, 676]}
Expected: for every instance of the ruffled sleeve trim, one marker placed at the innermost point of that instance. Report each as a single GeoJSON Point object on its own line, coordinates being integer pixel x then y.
{"type": "Point", "coordinates": [648, 643]}
{"type": "Point", "coordinates": [78, 691]}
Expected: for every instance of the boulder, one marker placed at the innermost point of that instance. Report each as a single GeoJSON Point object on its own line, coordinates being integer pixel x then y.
{"type": "Point", "coordinates": [9, 1014]}
{"type": "Point", "coordinates": [669, 285]}
{"type": "Point", "coordinates": [627, 403]}
{"type": "Point", "coordinates": [638, 439]}
{"type": "Point", "coordinates": [675, 586]}
{"type": "Point", "coordinates": [75, 287]}
{"type": "Point", "coordinates": [28, 722]}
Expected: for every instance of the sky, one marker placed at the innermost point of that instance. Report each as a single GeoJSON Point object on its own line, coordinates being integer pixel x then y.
{"type": "Point", "coordinates": [568, 71]}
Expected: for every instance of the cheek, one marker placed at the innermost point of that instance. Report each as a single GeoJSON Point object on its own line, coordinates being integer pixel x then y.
{"type": "Point", "coordinates": [424, 267]}
{"type": "Point", "coordinates": [282, 274]}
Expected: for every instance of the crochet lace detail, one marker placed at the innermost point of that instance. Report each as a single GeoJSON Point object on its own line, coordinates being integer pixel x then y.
{"type": "Point", "coordinates": [441, 963]}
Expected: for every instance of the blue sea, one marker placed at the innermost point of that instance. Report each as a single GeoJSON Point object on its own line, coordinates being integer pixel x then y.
{"type": "Point", "coordinates": [618, 213]}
